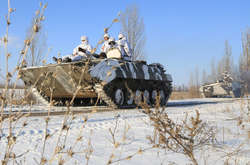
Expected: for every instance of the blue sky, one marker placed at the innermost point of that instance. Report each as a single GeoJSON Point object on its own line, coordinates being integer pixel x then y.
{"type": "Point", "coordinates": [181, 34]}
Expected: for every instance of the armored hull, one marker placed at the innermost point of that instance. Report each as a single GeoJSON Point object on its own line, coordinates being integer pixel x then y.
{"type": "Point", "coordinates": [113, 82]}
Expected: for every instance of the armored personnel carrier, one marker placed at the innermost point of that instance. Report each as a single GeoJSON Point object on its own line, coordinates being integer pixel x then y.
{"type": "Point", "coordinates": [113, 81]}
{"type": "Point", "coordinates": [225, 87]}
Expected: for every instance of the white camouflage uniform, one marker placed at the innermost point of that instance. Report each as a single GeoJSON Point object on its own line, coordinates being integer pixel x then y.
{"type": "Point", "coordinates": [78, 55]}
{"type": "Point", "coordinates": [105, 46]}
{"type": "Point", "coordinates": [124, 47]}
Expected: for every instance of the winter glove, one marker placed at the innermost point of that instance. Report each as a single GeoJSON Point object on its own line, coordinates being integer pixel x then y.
{"type": "Point", "coordinates": [112, 43]}
{"type": "Point", "coordinates": [81, 50]}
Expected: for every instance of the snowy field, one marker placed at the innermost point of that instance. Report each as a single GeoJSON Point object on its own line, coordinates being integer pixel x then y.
{"type": "Point", "coordinates": [121, 136]}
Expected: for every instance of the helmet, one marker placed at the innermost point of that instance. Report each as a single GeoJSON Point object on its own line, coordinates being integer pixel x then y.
{"type": "Point", "coordinates": [120, 36]}
{"type": "Point", "coordinates": [84, 38]}
{"type": "Point", "coordinates": [105, 35]}
{"type": "Point", "coordinates": [111, 39]}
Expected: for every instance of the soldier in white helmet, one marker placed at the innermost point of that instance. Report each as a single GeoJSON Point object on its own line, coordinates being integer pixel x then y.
{"type": "Point", "coordinates": [111, 43]}
{"type": "Point", "coordinates": [84, 48]}
{"type": "Point", "coordinates": [112, 50]}
{"type": "Point", "coordinates": [124, 47]}
{"type": "Point", "coordinates": [81, 51]}
{"type": "Point", "coordinates": [105, 45]}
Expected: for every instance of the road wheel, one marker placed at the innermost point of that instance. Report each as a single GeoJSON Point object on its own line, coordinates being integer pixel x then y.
{"type": "Point", "coordinates": [146, 97]}
{"type": "Point", "coordinates": [129, 98]}
{"type": "Point", "coordinates": [162, 98]}
{"type": "Point", "coordinates": [119, 97]}
{"type": "Point", "coordinates": [154, 96]}
{"type": "Point", "coordinates": [138, 97]}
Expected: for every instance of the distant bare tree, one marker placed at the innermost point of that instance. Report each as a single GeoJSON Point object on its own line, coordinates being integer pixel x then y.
{"type": "Point", "coordinates": [213, 75]}
{"type": "Point", "coordinates": [236, 73]}
{"type": "Point", "coordinates": [191, 80]}
{"type": "Point", "coordinates": [241, 63]}
{"type": "Point", "coordinates": [197, 78]}
{"type": "Point", "coordinates": [133, 28]}
{"type": "Point", "coordinates": [245, 59]}
{"type": "Point", "coordinates": [226, 62]}
{"type": "Point", "coordinates": [218, 68]}
{"type": "Point", "coordinates": [204, 76]}
{"type": "Point", "coordinates": [38, 45]}
{"type": "Point", "coordinates": [228, 57]}
{"type": "Point", "coordinates": [244, 65]}
{"type": "Point", "coordinates": [193, 89]}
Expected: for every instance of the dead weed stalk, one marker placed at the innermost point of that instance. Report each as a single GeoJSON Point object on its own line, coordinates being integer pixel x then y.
{"type": "Point", "coordinates": [185, 137]}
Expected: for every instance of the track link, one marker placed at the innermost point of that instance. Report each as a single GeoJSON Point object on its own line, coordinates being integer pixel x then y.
{"type": "Point", "coordinates": [39, 98]}
{"type": "Point", "coordinates": [106, 94]}
{"type": "Point", "coordinates": [103, 96]}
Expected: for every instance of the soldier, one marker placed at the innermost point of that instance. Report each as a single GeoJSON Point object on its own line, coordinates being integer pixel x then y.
{"type": "Point", "coordinates": [84, 48]}
{"type": "Point", "coordinates": [81, 51]}
{"type": "Point", "coordinates": [124, 47]}
{"type": "Point", "coordinates": [227, 77]}
{"type": "Point", "coordinates": [112, 50]}
{"type": "Point", "coordinates": [105, 45]}
{"type": "Point", "coordinates": [112, 43]}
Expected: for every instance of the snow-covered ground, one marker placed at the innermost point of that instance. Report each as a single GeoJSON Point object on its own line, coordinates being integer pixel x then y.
{"type": "Point", "coordinates": [94, 139]}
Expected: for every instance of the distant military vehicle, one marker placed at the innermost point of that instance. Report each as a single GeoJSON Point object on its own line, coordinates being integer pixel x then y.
{"type": "Point", "coordinates": [117, 82]}
{"type": "Point", "coordinates": [225, 87]}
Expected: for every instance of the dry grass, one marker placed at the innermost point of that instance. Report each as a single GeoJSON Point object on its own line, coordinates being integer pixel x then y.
{"type": "Point", "coordinates": [183, 95]}
{"type": "Point", "coordinates": [179, 95]}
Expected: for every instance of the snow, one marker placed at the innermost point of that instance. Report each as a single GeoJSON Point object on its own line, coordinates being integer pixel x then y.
{"type": "Point", "coordinates": [134, 125]}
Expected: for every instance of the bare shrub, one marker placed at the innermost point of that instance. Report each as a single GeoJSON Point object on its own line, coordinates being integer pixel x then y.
{"type": "Point", "coordinates": [185, 137]}
{"type": "Point", "coordinates": [8, 96]}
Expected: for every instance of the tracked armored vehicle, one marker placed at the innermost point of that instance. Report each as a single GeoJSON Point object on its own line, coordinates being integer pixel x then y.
{"type": "Point", "coordinates": [225, 87]}
{"type": "Point", "coordinates": [113, 81]}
